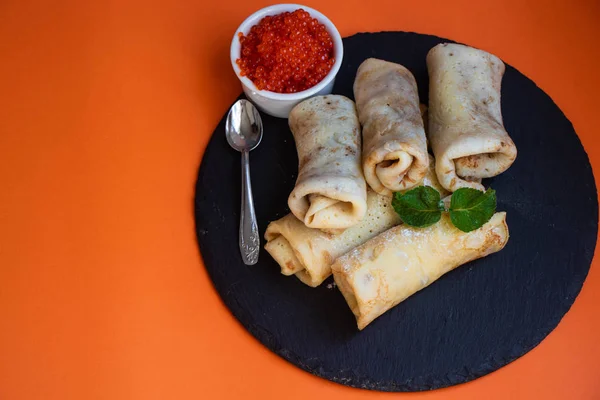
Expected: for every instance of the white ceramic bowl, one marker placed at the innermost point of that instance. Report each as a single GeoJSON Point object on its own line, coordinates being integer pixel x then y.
{"type": "Point", "coordinates": [280, 104]}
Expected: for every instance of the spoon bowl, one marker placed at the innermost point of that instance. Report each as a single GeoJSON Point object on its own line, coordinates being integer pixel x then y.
{"type": "Point", "coordinates": [243, 127]}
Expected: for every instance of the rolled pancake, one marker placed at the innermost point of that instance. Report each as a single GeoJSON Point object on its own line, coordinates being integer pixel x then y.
{"type": "Point", "coordinates": [387, 269]}
{"type": "Point", "coordinates": [308, 253]}
{"type": "Point", "coordinates": [465, 129]}
{"type": "Point", "coordinates": [395, 147]}
{"type": "Point", "coordinates": [330, 191]}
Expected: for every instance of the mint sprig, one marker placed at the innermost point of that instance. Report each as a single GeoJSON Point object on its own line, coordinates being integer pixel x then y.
{"type": "Point", "coordinates": [471, 208]}
{"type": "Point", "coordinates": [419, 207]}
{"type": "Point", "coordinates": [422, 206]}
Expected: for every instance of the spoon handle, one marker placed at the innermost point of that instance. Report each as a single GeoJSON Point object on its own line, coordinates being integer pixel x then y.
{"type": "Point", "coordinates": [249, 240]}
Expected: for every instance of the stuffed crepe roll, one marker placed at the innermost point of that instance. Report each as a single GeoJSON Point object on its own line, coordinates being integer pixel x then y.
{"type": "Point", "coordinates": [330, 191]}
{"type": "Point", "coordinates": [465, 128]}
{"type": "Point", "coordinates": [387, 269]}
{"type": "Point", "coordinates": [395, 148]}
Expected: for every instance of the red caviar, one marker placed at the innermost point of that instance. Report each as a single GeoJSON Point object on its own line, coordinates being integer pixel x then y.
{"type": "Point", "coordinates": [286, 53]}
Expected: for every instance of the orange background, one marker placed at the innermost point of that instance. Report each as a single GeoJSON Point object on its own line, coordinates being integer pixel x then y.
{"type": "Point", "coordinates": [105, 109]}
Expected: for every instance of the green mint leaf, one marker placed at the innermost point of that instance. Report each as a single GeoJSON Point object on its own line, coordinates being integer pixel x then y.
{"type": "Point", "coordinates": [471, 208]}
{"type": "Point", "coordinates": [419, 207]}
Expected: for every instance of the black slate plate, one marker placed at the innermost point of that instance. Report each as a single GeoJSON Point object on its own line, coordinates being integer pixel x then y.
{"type": "Point", "coordinates": [472, 321]}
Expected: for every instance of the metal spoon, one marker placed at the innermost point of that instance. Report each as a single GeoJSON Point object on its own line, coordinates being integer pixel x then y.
{"type": "Point", "coordinates": [244, 129]}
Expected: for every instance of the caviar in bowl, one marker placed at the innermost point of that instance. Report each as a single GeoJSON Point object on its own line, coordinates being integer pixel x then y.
{"type": "Point", "coordinates": [284, 54]}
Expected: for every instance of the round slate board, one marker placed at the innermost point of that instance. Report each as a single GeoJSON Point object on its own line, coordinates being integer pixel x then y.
{"type": "Point", "coordinates": [470, 322]}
